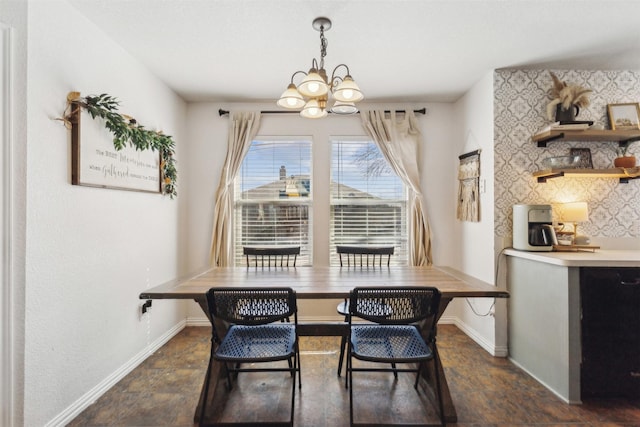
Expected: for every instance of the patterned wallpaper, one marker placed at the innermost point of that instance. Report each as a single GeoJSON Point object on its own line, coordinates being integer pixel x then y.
{"type": "Point", "coordinates": [521, 97]}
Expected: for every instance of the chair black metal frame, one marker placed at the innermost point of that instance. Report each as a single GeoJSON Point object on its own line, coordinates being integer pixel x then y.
{"type": "Point", "coordinates": [352, 253]}
{"type": "Point", "coordinates": [255, 335]}
{"type": "Point", "coordinates": [279, 254]}
{"type": "Point", "coordinates": [400, 329]}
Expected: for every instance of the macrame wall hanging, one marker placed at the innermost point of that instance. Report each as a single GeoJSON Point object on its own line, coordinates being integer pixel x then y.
{"type": "Point", "coordinates": [469, 187]}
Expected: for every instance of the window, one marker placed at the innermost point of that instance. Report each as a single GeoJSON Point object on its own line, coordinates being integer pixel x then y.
{"type": "Point", "coordinates": [273, 197]}
{"type": "Point", "coordinates": [368, 200]}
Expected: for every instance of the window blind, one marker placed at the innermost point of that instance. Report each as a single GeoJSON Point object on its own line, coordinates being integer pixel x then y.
{"type": "Point", "coordinates": [368, 200]}
{"type": "Point", "coordinates": [273, 197]}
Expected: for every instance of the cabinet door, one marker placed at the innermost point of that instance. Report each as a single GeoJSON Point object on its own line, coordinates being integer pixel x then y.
{"type": "Point", "coordinates": [610, 332]}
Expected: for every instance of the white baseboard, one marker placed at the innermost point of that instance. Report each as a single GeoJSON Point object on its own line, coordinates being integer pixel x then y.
{"type": "Point", "coordinates": [480, 340]}
{"type": "Point", "coordinates": [563, 398]}
{"type": "Point", "coordinates": [198, 321]}
{"type": "Point", "coordinates": [94, 394]}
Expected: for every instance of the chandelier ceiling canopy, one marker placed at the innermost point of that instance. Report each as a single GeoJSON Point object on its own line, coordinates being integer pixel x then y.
{"type": "Point", "coordinates": [315, 90]}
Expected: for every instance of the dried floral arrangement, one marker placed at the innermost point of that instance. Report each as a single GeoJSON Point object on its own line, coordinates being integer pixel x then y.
{"type": "Point", "coordinates": [127, 130]}
{"type": "Point", "coordinates": [566, 95]}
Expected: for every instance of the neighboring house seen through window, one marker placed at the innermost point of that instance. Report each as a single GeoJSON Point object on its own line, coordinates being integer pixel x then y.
{"type": "Point", "coordinates": [368, 200]}
{"type": "Point", "coordinates": [273, 197]}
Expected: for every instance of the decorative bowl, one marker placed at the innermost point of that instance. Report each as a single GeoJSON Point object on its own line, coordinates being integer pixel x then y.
{"type": "Point", "coordinates": [561, 162]}
{"type": "Point", "coordinates": [625, 162]}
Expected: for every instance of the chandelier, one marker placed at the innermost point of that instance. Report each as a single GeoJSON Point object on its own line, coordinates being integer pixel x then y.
{"type": "Point", "coordinates": [313, 92]}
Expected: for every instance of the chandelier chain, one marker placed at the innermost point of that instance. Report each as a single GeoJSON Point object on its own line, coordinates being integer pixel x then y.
{"type": "Point", "coordinates": [323, 46]}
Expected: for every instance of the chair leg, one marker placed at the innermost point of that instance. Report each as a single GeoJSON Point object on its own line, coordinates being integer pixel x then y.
{"type": "Point", "coordinates": [293, 387]}
{"type": "Point", "coordinates": [226, 368]}
{"type": "Point", "coordinates": [343, 344]}
{"type": "Point", "coordinates": [297, 362]}
{"type": "Point", "coordinates": [343, 340]}
{"type": "Point", "coordinates": [349, 379]}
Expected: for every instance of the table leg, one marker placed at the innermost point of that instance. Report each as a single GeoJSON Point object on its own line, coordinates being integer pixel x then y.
{"type": "Point", "coordinates": [216, 398]}
{"type": "Point", "coordinates": [428, 378]}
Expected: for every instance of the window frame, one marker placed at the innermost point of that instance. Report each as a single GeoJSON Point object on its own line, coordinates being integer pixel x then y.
{"type": "Point", "coordinates": [308, 201]}
{"type": "Point", "coordinates": [401, 250]}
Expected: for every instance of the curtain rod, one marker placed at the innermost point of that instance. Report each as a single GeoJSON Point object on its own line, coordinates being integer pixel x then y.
{"type": "Point", "coordinates": [222, 112]}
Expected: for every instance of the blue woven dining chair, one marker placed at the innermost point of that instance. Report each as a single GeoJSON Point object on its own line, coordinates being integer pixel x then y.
{"type": "Point", "coordinates": [359, 257]}
{"type": "Point", "coordinates": [400, 328]}
{"type": "Point", "coordinates": [256, 335]}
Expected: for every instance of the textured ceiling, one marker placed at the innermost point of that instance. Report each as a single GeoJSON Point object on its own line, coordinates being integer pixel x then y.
{"type": "Point", "coordinates": [402, 50]}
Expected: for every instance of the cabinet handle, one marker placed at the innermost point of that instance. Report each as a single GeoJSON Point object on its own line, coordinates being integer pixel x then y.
{"type": "Point", "coordinates": [636, 282]}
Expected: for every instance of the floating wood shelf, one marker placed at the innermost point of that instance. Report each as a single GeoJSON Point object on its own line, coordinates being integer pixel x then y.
{"type": "Point", "coordinates": [623, 174]}
{"type": "Point", "coordinates": [620, 136]}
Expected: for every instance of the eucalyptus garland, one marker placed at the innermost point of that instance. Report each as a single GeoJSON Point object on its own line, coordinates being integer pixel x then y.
{"type": "Point", "coordinates": [126, 130]}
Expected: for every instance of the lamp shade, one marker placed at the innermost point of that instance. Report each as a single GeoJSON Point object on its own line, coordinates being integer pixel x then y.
{"type": "Point", "coordinates": [313, 85]}
{"type": "Point", "coordinates": [312, 110]}
{"type": "Point", "coordinates": [575, 212]}
{"type": "Point", "coordinates": [340, 107]}
{"type": "Point", "coordinates": [348, 91]}
{"type": "Point", "coordinates": [291, 98]}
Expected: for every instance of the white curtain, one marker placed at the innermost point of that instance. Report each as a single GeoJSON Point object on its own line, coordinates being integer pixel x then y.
{"type": "Point", "coordinates": [398, 140]}
{"type": "Point", "coordinates": [243, 127]}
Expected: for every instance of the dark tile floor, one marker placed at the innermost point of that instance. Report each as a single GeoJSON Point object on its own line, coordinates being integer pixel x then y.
{"type": "Point", "coordinates": [487, 391]}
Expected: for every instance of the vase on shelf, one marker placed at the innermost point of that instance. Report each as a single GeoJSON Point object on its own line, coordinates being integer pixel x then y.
{"type": "Point", "coordinates": [625, 162]}
{"type": "Point", "coordinates": [568, 115]}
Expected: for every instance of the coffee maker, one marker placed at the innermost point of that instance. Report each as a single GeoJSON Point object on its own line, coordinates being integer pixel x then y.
{"type": "Point", "coordinates": [532, 229]}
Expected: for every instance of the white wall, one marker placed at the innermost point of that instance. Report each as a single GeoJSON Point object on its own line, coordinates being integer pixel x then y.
{"type": "Point", "coordinates": [13, 22]}
{"type": "Point", "coordinates": [89, 251]}
{"type": "Point", "coordinates": [475, 240]}
{"type": "Point", "coordinates": [475, 132]}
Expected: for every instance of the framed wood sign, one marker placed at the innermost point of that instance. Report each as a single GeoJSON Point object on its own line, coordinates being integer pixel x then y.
{"type": "Point", "coordinates": [96, 163]}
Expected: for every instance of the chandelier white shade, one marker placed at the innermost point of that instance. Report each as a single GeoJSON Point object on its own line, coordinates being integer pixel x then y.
{"type": "Point", "coordinates": [313, 110]}
{"type": "Point", "coordinates": [313, 85]}
{"type": "Point", "coordinates": [348, 91]}
{"type": "Point", "coordinates": [291, 98]}
{"type": "Point", "coordinates": [340, 107]}
{"type": "Point", "coordinates": [315, 90]}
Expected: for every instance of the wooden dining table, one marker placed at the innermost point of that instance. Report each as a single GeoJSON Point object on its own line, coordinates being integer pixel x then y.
{"type": "Point", "coordinates": [328, 283]}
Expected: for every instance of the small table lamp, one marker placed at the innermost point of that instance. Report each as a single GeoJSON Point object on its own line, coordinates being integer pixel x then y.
{"type": "Point", "coordinates": [575, 212]}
